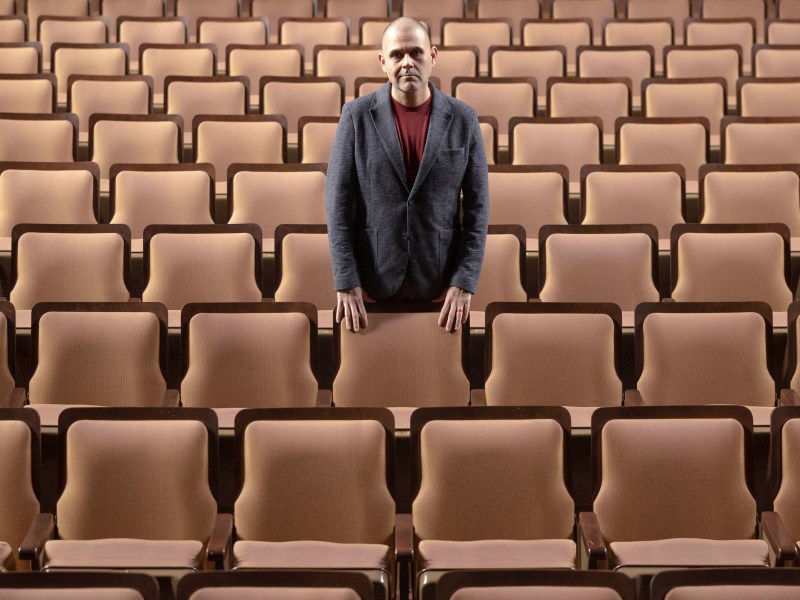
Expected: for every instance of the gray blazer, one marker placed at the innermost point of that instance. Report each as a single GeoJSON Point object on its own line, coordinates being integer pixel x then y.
{"type": "Point", "coordinates": [378, 228]}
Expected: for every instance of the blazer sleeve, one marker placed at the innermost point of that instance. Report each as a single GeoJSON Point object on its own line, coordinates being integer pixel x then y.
{"type": "Point", "coordinates": [475, 209]}
{"type": "Point", "coordinates": [340, 191]}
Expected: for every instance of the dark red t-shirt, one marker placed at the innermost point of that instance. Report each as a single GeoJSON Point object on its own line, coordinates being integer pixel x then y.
{"type": "Point", "coordinates": [412, 129]}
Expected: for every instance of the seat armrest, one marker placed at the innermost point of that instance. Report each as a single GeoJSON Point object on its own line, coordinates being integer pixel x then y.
{"type": "Point", "coordinates": [403, 537]}
{"type": "Point", "coordinates": [268, 300]}
{"type": "Point", "coordinates": [324, 398]}
{"type": "Point", "coordinates": [477, 397]}
{"type": "Point", "coordinates": [633, 398]}
{"type": "Point", "coordinates": [789, 397]}
{"type": "Point", "coordinates": [667, 300]}
{"type": "Point", "coordinates": [134, 299]}
{"type": "Point", "coordinates": [220, 540]}
{"type": "Point", "coordinates": [592, 538]}
{"type": "Point", "coordinates": [39, 532]}
{"type": "Point", "coordinates": [778, 538]}
{"type": "Point", "coordinates": [171, 398]}
{"type": "Point", "coordinates": [14, 399]}
{"type": "Point", "coordinates": [534, 300]}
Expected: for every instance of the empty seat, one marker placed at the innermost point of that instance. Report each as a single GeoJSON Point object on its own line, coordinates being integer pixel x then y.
{"type": "Point", "coordinates": [700, 353]}
{"type": "Point", "coordinates": [69, 30]}
{"type": "Point", "coordinates": [20, 58]}
{"type": "Point", "coordinates": [659, 460]}
{"type": "Point", "coordinates": [274, 584]}
{"type": "Point", "coordinates": [53, 8]}
{"type": "Point", "coordinates": [355, 10]}
{"type": "Point", "coordinates": [91, 94]}
{"type": "Point", "coordinates": [683, 62]}
{"type": "Point", "coordinates": [452, 62]}
{"type": "Point", "coordinates": [224, 32]}
{"type": "Point", "coordinates": [159, 61]}
{"type": "Point", "coordinates": [716, 32]}
{"type": "Point", "coordinates": [783, 31]}
{"type": "Point", "coordinates": [700, 97]}
{"type": "Point", "coordinates": [537, 63]}
{"type": "Point", "coordinates": [433, 13]}
{"type": "Point", "coordinates": [760, 140]}
{"type": "Point", "coordinates": [612, 195]}
{"type": "Point", "coordinates": [732, 263]}
{"type": "Point", "coordinates": [489, 127]}
{"type": "Point", "coordinates": [769, 96]}
{"type": "Point", "coordinates": [790, 384]}
{"type": "Point", "coordinates": [87, 59]}
{"type": "Point", "coordinates": [553, 354]}
{"type": "Point", "coordinates": [348, 63]}
{"type": "Point", "coordinates": [257, 355]}
{"type": "Point", "coordinates": [166, 194]}
{"type": "Point", "coordinates": [499, 97]}
{"type": "Point", "coordinates": [371, 30]}
{"type": "Point", "coordinates": [201, 263]}
{"type": "Point", "coordinates": [570, 141]}
{"type": "Point", "coordinates": [755, 10]}
{"type": "Point", "coordinates": [516, 10]}
{"type": "Point", "coordinates": [132, 522]}
{"type": "Point", "coordinates": [599, 263]}
{"type": "Point", "coordinates": [528, 195]}
{"type": "Point", "coordinates": [569, 33]}
{"type": "Point", "coordinates": [483, 33]}
{"type": "Point", "coordinates": [28, 93]}
{"type": "Point", "coordinates": [188, 97]}
{"type": "Point", "coordinates": [114, 9]}
{"type": "Point", "coordinates": [194, 9]}
{"type": "Point", "coordinates": [136, 31]}
{"type": "Point", "coordinates": [309, 33]}
{"type": "Point", "coordinates": [456, 453]}
{"type": "Point", "coordinates": [605, 97]}
{"type": "Point", "coordinates": [38, 138]}
{"type": "Point", "coordinates": [255, 62]}
{"type": "Point", "coordinates": [86, 586]}
{"type": "Point", "coordinates": [788, 9]}
{"type": "Point", "coordinates": [271, 195]}
{"type": "Point", "coordinates": [315, 136]}
{"type": "Point", "coordinates": [735, 584]}
{"type": "Point", "coordinates": [675, 10]}
{"type": "Point", "coordinates": [296, 97]}
{"type": "Point", "coordinates": [634, 62]}
{"type": "Point", "coordinates": [275, 10]}
{"type": "Point", "coordinates": [596, 11]}
{"type": "Point", "coordinates": [657, 33]}
{"type": "Point", "coordinates": [65, 193]}
{"type": "Point", "coordinates": [776, 61]}
{"type": "Point", "coordinates": [13, 29]}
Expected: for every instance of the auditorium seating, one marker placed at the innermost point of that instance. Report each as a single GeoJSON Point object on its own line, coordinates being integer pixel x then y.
{"type": "Point", "coordinates": [80, 586]}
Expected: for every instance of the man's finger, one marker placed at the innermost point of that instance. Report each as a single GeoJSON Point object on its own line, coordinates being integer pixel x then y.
{"type": "Point", "coordinates": [445, 311]}
{"type": "Point", "coordinates": [451, 318]}
{"type": "Point", "coordinates": [465, 314]}
{"type": "Point", "coordinates": [362, 312]}
{"type": "Point", "coordinates": [339, 309]}
{"type": "Point", "coordinates": [459, 318]}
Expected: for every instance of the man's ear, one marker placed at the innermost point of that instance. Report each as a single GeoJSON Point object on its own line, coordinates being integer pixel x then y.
{"type": "Point", "coordinates": [382, 61]}
{"type": "Point", "coordinates": [434, 54]}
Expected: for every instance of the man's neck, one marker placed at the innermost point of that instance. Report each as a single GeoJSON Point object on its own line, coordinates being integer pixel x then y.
{"type": "Point", "coordinates": [411, 99]}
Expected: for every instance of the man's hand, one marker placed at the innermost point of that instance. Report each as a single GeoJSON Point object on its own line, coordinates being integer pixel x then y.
{"type": "Point", "coordinates": [350, 305]}
{"type": "Point", "coordinates": [456, 308]}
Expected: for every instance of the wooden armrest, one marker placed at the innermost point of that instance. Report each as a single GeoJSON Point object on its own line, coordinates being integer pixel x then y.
{"type": "Point", "coordinates": [171, 398]}
{"type": "Point", "coordinates": [477, 397]}
{"type": "Point", "coordinates": [134, 299]}
{"type": "Point", "coordinates": [667, 300]}
{"type": "Point", "coordinates": [403, 537]}
{"type": "Point", "coordinates": [789, 397]}
{"type": "Point", "coordinates": [39, 532]}
{"type": "Point", "coordinates": [271, 300]}
{"type": "Point", "coordinates": [324, 398]}
{"type": "Point", "coordinates": [14, 399]}
{"type": "Point", "coordinates": [534, 300]}
{"type": "Point", "coordinates": [777, 536]}
{"type": "Point", "coordinates": [592, 537]}
{"type": "Point", "coordinates": [633, 398]}
{"type": "Point", "coordinates": [220, 540]}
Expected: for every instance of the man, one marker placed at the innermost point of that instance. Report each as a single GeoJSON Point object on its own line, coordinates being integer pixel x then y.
{"type": "Point", "coordinates": [401, 158]}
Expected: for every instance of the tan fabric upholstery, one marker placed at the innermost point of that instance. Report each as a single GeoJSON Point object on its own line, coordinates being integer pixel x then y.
{"type": "Point", "coordinates": [255, 63]}
{"type": "Point", "coordinates": [26, 96]}
{"type": "Point", "coordinates": [69, 267]}
{"type": "Point", "coordinates": [49, 413]}
{"type": "Point", "coordinates": [249, 360]}
{"type": "Point", "coordinates": [770, 99]}
{"type": "Point", "coordinates": [700, 33]}
{"type": "Point", "coordinates": [702, 358]}
{"type": "Point", "coordinates": [136, 479]}
{"type": "Point", "coordinates": [12, 31]}
{"type": "Point", "coordinates": [401, 360]}
{"type": "Point", "coordinates": [309, 34]}
{"type": "Point", "coordinates": [193, 9]}
{"type": "Point", "coordinates": [432, 13]}
{"type": "Point", "coordinates": [608, 101]}
{"type": "Point", "coordinates": [501, 280]}
{"type": "Point", "coordinates": [114, 9]}
{"type": "Point", "coordinates": [41, 196]}
{"type": "Point", "coordinates": [729, 198]}
{"type": "Point", "coordinates": [22, 59]}
{"type": "Point", "coordinates": [500, 100]}
{"type": "Point", "coordinates": [497, 554]}
{"type": "Point", "coordinates": [36, 141]}
{"type": "Point", "coordinates": [483, 35]}
{"type": "Point", "coordinates": [508, 471]}
{"type": "Point", "coordinates": [72, 594]}
{"type": "Point", "coordinates": [309, 555]}
{"type": "Point", "coordinates": [161, 62]}
{"type": "Point", "coordinates": [692, 552]}
{"type": "Point", "coordinates": [18, 502]}
{"type": "Point", "coordinates": [732, 267]}
{"type": "Point", "coordinates": [733, 592]}
{"type": "Point", "coordinates": [527, 199]}
{"type": "Point", "coordinates": [553, 33]}
{"type": "Point", "coordinates": [224, 33]}
{"type": "Point", "coordinates": [52, 8]}
{"type": "Point", "coordinates": [295, 99]}
{"type": "Point", "coordinates": [596, 11]}
{"type": "Point", "coordinates": [524, 593]}
{"type": "Point", "coordinates": [516, 10]}
{"type": "Point", "coordinates": [315, 480]}
{"type": "Point", "coordinates": [488, 135]}
{"type": "Point", "coordinates": [306, 272]}
{"type": "Point", "coordinates": [89, 30]}
{"type": "Point", "coordinates": [317, 141]}
{"type": "Point", "coordinates": [534, 62]}
{"type": "Point", "coordinates": [657, 34]}
{"type": "Point", "coordinates": [6, 379]}
{"type": "Point", "coordinates": [738, 9]}
{"type": "Point", "coordinates": [201, 267]}
{"type": "Point", "coordinates": [157, 31]}
{"type": "Point", "coordinates": [556, 359]}
{"type": "Point", "coordinates": [348, 63]}
{"type": "Point", "coordinates": [275, 9]}
{"type": "Point", "coordinates": [674, 478]}
{"type": "Point", "coordinates": [701, 62]}
{"type": "Point", "coordinates": [634, 64]}
{"type": "Point", "coordinates": [762, 143]}
{"type": "Point", "coordinates": [87, 61]}
{"type": "Point", "coordinates": [98, 358]}
{"type": "Point", "coordinates": [616, 198]}
{"type": "Point", "coordinates": [700, 99]}
{"type": "Point", "coordinates": [455, 63]}
{"type": "Point", "coordinates": [776, 62]}
{"type": "Point", "coordinates": [603, 267]}
{"type": "Point", "coordinates": [272, 198]}
{"type": "Point", "coordinates": [663, 143]}
{"type": "Point", "coordinates": [191, 98]}
{"type": "Point", "coordinates": [677, 10]}
{"type": "Point", "coordinates": [278, 593]}
{"type": "Point", "coordinates": [122, 553]}
{"type": "Point", "coordinates": [119, 97]}
{"type": "Point", "coordinates": [145, 198]}
{"type": "Point", "coordinates": [789, 492]}
{"type": "Point", "coordinates": [137, 142]}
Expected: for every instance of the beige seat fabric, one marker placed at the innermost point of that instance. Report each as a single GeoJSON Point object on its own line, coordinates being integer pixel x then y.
{"type": "Point", "coordinates": [110, 96]}
{"type": "Point", "coordinates": [787, 496]}
{"type": "Point", "coordinates": [774, 98]}
{"type": "Point", "coordinates": [37, 140]}
{"type": "Point", "coordinates": [528, 199]}
{"type": "Point", "coordinates": [347, 63]}
{"type": "Point", "coordinates": [44, 196]}
{"type": "Point", "coordinates": [432, 13]}
{"type": "Point", "coordinates": [98, 358]}
{"type": "Point", "coordinates": [553, 359]}
{"type": "Point", "coordinates": [192, 9]}
{"type": "Point", "coordinates": [677, 10]}
{"type": "Point", "coordinates": [302, 98]}
{"type": "Point", "coordinates": [516, 10]}
{"type": "Point", "coordinates": [687, 63]}
{"type": "Point", "coordinates": [523, 593]}
{"type": "Point", "coordinates": [307, 275]}
{"type": "Point", "coordinates": [541, 64]}
{"type": "Point", "coordinates": [641, 32]}
{"type": "Point", "coordinates": [715, 33]}
{"type": "Point", "coordinates": [489, 136]}
{"type": "Point", "coordinates": [482, 34]}
{"type": "Point", "coordinates": [278, 593]}
{"type": "Point", "coordinates": [188, 61]}
{"type": "Point", "coordinates": [158, 501]}
{"type": "Point", "coordinates": [315, 139]}
{"type": "Point", "coordinates": [738, 9]}
{"type": "Point", "coordinates": [372, 373]}
{"type": "Point", "coordinates": [12, 31]}
{"type": "Point", "coordinates": [27, 95]}
{"type": "Point", "coordinates": [455, 62]}
{"type": "Point", "coordinates": [583, 97]}
{"type": "Point", "coordinates": [71, 594]}
{"type": "Point", "coordinates": [249, 360]}
{"type": "Point", "coordinates": [100, 59]}
{"type": "Point", "coordinates": [6, 379]}
{"type": "Point", "coordinates": [20, 59]}
{"type": "Point", "coordinates": [595, 10]}
{"type": "Point", "coordinates": [753, 142]}
{"type": "Point", "coordinates": [355, 10]}
{"type": "Point", "coordinates": [732, 267]}
{"type": "Point", "coordinates": [635, 64]}
{"type": "Point", "coordinates": [275, 10]}
{"type": "Point", "coordinates": [257, 62]}
{"type": "Point", "coordinates": [783, 32]}
{"type": "Point", "coordinates": [687, 98]}
{"type": "Point", "coordinates": [308, 34]}
{"type": "Point", "coordinates": [89, 30]}
{"type": "Point", "coordinates": [501, 279]}
{"type": "Point", "coordinates": [162, 30]}
{"type": "Point", "coordinates": [372, 31]}
{"type": "Point", "coordinates": [502, 554]}
{"type": "Point", "coordinates": [733, 592]}
{"type": "Point", "coordinates": [69, 267]}
{"type": "Point", "coordinates": [207, 96]}
{"type": "Point", "coordinates": [143, 198]}
{"type": "Point", "coordinates": [776, 62]}
{"type": "Point", "coordinates": [226, 32]}
{"type": "Point", "coordinates": [615, 198]}
{"type": "Point", "coordinates": [114, 9]}
{"type": "Point", "coordinates": [655, 469]}
{"type": "Point", "coordinates": [270, 198]}
{"type": "Point", "coordinates": [53, 8]}
{"type": "Point", "coordinates": [705, 358]}
{"type": "Point", "coordinates": [569, 34]}
{"type": "Point", "coordinates": [492, 97]}
{"type": "Point", "coordinates": [18, 502]}
{"type": "Point", "coordinates": [292, 518]}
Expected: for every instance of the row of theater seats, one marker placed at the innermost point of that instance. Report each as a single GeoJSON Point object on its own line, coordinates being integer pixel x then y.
{"type": "Point", "coordinates": [138, 489]}
{"type": "Point", "coordinates": [265, 355]}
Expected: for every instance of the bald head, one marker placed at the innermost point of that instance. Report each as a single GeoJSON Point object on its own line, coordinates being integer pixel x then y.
{"type": "Point", "coordinates": [405, 25]}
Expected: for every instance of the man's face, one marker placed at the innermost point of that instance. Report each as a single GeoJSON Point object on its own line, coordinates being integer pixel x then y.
{"type": "Point", "coordinates": [407, 58]}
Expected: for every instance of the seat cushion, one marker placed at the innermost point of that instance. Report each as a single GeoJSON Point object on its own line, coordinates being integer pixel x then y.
{"type": "Point", "coordinates": [691, 552]}
{"type": "Point", "coordinates": [71, 594]}
{"type": "Point", "coordinates": [534, 591]}
{"type": "Point", "coordinates": [5, 553]}
{"type": "Point", "coordinates": [309, 555]}
{"type": "Point", "coordinates": [498, 554]}
{"type": "Point", "coordinates": [255, 593]}
{"type": "Point", "coordinates": [122, 553]}
{"type": "Point", "coordinates": [733, 592]}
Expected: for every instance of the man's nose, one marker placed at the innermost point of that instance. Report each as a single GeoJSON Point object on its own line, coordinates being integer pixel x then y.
{"type": "Point", "coordinates": [407, 61]}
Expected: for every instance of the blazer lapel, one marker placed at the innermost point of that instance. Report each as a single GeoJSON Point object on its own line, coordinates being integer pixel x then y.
{"type": "Point", "coordinates": [440, 121]}
{"type": "Point", "coordinates": [383, 119]}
